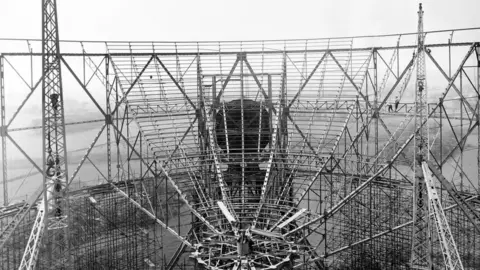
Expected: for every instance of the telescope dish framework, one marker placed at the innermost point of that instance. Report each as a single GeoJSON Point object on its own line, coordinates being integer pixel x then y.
{"type": "Point", "coordinates": [254, 154]}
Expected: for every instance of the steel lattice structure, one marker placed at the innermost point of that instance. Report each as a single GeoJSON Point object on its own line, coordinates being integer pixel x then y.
{"type": "Point", "coordinates": [421, 242]}
{"type": "Point", "coordinates": [242, 155]}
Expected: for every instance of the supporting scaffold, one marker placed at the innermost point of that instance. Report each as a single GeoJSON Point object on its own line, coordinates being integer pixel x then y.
{"type": "Point", "coordinates": [276, 154]}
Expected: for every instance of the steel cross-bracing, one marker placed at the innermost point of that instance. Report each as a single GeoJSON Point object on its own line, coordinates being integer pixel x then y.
{"type": "Point", "coordinates": [276, 154]}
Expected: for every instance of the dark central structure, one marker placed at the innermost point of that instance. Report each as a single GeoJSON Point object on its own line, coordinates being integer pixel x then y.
{"type": "Point", "coordinates": [253, 121]}
{"type": "Point", "coordinates": [243, 132]}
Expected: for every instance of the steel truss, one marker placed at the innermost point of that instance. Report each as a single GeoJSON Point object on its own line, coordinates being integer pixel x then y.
{"type": "Point", "coordinates": [332, 185]}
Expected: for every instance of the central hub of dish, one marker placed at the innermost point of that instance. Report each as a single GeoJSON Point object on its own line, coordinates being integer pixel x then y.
{"type": "Point", "coordinates": [250, 122]}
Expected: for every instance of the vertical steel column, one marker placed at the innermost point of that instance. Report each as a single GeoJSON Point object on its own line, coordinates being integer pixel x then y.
{"type": "Point", "coordinates": [440, 107]}
{"type": "Point", "coordinates": [461, 130]}
{"type": "Point", "coordinates": [108, 119]}
{"type": "Point", "coordinates": [421, 240]}
{"type": "Point", "coordinates": [126, 118]}
{"type": "Point", "coordinates": [477, 50]}
{"type": "Point", "coordinates": [375, 105]}
{"type": "Point", "coordinates": [285, 111]}
{"type": "Point", "coordinates": [3, 134]}
{"type": "Point", "coordinates": [55, 165]}
{"type": "Point", "coordinates": [375, 123]}
{"type": "Point", "coordinates": [129, 152]}
{"type": "Point", "coordinates": [367, 132]}
{"type": "Point", "coordinates": [450, 56]}
{"type": "Point", "coordinates": [213, 116]}
{"type": "Point", "coordinates": [201, 123]}
{"type": "Point", "coordinates": [242, 110]}
{"type": "Point", "coordinates": [200, 113]}
{"type": "Point", "coordinates": [398, 56]}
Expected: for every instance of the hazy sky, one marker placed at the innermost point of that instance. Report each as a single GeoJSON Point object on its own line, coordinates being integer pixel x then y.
{"type": "Point", "coordinates": [233, 20]}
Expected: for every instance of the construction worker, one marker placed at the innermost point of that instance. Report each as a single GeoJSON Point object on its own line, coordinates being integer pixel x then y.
{"type": "Point", "coordinates": [397, 101]}
{"type": "Point", "coordinates": [390, 107]}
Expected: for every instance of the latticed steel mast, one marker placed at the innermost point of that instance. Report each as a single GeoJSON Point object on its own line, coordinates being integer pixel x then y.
{"type": "Point", "coordinates": [54, 141]}
{"type": "Point", "coordinates": [421, 242]}
{"type": "Point", "coordinates": [51, 222]}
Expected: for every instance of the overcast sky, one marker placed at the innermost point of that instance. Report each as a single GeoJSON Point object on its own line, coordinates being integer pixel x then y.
{"type": "Point", "coordinates": [233, 20]}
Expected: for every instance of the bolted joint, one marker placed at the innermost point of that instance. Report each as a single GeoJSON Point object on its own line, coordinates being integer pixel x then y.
{"type": "Point", "coordinates": [241, 56]}
{"type": "Point", "coordinates": [108, 119]}
{"type": "Point", "coordinates": [3, 131]}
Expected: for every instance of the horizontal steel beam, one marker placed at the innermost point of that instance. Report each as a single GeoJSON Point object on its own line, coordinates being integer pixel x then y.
{"type": "Point", "coordinates": [195, 53]}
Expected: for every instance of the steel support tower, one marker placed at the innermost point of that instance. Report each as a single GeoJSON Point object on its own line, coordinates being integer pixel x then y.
{"type": "Point", "coordinates": [50, 226]}
{"type": "Point", "coordinates": [54, 148]}
{"type": "Point", "coordinates": [421, 239]}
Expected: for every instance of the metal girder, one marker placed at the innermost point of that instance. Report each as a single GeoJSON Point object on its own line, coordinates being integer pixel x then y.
{"type": "Point", "coordinates": [84, 87]}
{"type": "Point", "coordinates": [176, 83]}
{"type": "Point", "coordinates": [351, 80]}
{"type": "Point", "coordinates": [393, 136]}
{"type": "Point", "coordinates": [390, 230]}
{"type": "Point", "coordinates": [407, 71]}
{"type": "Point", "coordinates": [18, 73]}
{"type": "Point", "coordinates": [152, 216]}
{"type": "Point", "coordinates": [24, 153]}
{"type": "Point", "coordinates": [30, 255]}
{"type": "Point", "coordinates": [137, 78]}
{"type": "Point", "coordinates": [452, 191]}
{"type": "Point", "coordinates": [3, 133]}
{"type": "Point", "coordinates": [218, 171]}
{"type": "Point", "coordinates": [7, 231]}
{"type": "Point", "coordinates": [389, 67]}
{"type": "Point", "coordinates": [273, 147]}
{"type": "Point", "coordinates": [352, 145]}
{"type": "Point", "coordinates": [92, 145]}
{"type": "Point", "coordinates": [170, 180]}
{"type": "Point", "coordinates": [32, 90]}
{"type": "Point", "coordinates": [227, 80]}
{"type": "Point", "coordinates": [328, 213]}
{"type": "Point", "coordinates": [178, 253]}
{"type": "Point", "coordinates": [258, 52]}
{"type": "Point", "coordinates": [257, 81]}
{"type": "Point", "coordinates": [173, 184]}
{"type": "Point", "coordinates": [307, 80]}
{"type": "Point", "coordinates": [317, 175]}
{"type": "Point", "coordinates": [451, 81]}
{"type": "Point", "coordinates": [450, 252]}
{"type": "Point", "coordinates": [477, 50]}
